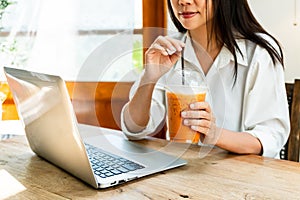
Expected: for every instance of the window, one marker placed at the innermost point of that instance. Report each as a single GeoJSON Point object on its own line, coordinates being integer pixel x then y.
{"type": "Point", "coordinates": [77, 40]}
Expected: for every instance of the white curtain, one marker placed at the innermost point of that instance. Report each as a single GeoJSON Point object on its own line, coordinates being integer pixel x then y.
{"type": "Point", "coordinates": [58, 36]}
{"type": "Point", "coordinates": [69, 31]}
{"type": "Point", "coordinates": [18, 27]}
{"type": "Point", "coordinates": [54, 50]}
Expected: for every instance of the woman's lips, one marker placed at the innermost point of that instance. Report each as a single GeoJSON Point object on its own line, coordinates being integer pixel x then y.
{"type": "Point", "coordinates": [188, 14]}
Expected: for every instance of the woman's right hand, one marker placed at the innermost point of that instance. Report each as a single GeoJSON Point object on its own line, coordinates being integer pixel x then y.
{"type": "Point", "coordinates": [161, 56]}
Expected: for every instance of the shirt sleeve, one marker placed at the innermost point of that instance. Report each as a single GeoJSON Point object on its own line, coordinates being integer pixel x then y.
{"type": "Point", "coordinates": [157, 113]}
{"type": "Point", "coordinates": [266, 114]}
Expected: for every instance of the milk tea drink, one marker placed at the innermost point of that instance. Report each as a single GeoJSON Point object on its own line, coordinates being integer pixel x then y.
{"type": "Point", "coordinates": [178, 99]}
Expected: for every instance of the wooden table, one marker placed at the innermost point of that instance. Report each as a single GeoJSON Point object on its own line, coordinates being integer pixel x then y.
{"type": "Point", "coordinates": [219, 175]}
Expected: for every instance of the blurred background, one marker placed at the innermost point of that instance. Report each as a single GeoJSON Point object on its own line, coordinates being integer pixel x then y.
{"type": "Point", "coordinates": [104, 41]}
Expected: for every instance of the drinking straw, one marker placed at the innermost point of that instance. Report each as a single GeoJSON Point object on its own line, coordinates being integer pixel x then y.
{"type": "Point", "coordinates": [182, 64]}
{"type": "Point", "coordinates": [182, 68]}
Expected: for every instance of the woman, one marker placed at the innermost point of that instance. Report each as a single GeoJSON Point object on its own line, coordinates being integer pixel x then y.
{"type": "Point", "coordinates": [245, 75]}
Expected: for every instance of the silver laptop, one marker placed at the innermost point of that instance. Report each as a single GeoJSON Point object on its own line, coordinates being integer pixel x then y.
{"type": "Point", "coordinates": [100, 157]}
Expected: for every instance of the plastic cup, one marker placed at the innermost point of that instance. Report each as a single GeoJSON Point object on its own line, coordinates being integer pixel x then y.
{"type": "Point", "coordinates": [178, 99]}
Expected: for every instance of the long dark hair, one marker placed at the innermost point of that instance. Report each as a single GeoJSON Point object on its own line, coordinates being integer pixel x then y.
{"type": "Point", "coordinates": [232, 17]}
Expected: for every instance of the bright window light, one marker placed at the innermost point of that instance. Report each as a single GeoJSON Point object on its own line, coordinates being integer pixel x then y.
{"type": "Point", "coordinates": [57, 37]}
{"type": "Point", "coordinates": [9, 186]}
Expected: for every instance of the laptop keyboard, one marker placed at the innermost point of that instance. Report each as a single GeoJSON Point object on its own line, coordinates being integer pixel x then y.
{"type": "Point", "coordinates": [106, 164]}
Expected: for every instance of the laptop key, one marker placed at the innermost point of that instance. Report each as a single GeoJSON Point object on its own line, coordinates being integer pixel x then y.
{"type": "Point", "coordinates": [109, 168]}
{"type": "Point", "coordinates": [108, 174]}
{"type": "Point", "coordinates": [102, 175]}
{"type": "Point", "coordinates": [116, 172]}
{"type": "Point", "coordinates": [122, 169]}
{"type": "Point", "coordinates": [104, 171]}
{"type": "Point", "coordinates": [106, 164]}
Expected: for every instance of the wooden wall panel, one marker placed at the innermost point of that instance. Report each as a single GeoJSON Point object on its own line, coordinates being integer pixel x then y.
{"type": "Point", "coordinates": [294, 138]}
{"type": "Point", "coordinates": [99, 103]}
{"type": "Point", "coordinates": [9, 111]}
{"type": "Point", "coordinates": [95, 103]}
{"type": "Point", "coordinates": [154, 20]}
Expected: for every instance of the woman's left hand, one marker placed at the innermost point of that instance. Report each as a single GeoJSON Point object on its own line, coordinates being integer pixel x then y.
{"type": "Point", "coordinates": [200, 118]}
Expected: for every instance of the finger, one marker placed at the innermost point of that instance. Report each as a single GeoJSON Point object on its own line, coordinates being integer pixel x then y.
{"type": "Point", "coordinates": [178, 44]}
{"type": "Point", "coordinates": [165, 43]}
{"type": "Point", "coordinates": [201, 105]}
{"type": "Point", "coordinates": [174, 58]}
{"type": "Point", "coordinates": [197, 122]}
{"type": "Point", "coordinates": [196, 114]}
{"type": "Point", "coordinates": [202, 130]}
{"type": "Point", "coordinates": [171, 45]}
{"type": "Point", "coordinates": [157, 48]}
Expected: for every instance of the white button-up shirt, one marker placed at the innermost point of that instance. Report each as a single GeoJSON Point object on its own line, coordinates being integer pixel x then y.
{"type": "Point", "coordinates": [256, 103]}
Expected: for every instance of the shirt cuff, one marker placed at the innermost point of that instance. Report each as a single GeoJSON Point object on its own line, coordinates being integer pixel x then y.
{"type": "Point", "coordinates": [150, 128]}
{"type": "Point", "coordinates": [270, 144]}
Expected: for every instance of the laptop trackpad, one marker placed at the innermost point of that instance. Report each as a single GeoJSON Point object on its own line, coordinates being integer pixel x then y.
{"type": "Point", "coordinates": [117, 144]}
{"type": "Point", "coordinates": [109, 139]}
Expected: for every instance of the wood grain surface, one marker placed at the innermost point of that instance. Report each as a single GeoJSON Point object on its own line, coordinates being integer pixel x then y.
{"type": "Point", "coordinates": [219, 175]}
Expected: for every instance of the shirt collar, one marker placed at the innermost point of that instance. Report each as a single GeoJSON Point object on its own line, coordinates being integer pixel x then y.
{"type": "Point", "coordinates": [224, 57]}
{"type": "Point", "coordinates": [189, 53]}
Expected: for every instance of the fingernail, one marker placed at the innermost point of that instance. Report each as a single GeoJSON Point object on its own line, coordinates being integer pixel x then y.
{"type": "Point", "coordinates": [194, 128]}
{"type": "Point", "coordinates": [171, 51]}
{"type": "Point", "coordinates": [186, 122]}
{"type": "Point", "coordinates": [192, 105]}
{"type": "Point", "coordinates": [179, 49]}
{"type": "Point", "coordinates": [165, 53]}
{"type": "Point", "coordinates": [183, 114]}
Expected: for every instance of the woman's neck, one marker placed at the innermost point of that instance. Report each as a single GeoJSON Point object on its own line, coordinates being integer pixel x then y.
{"type": "Point", "coordinates": [206, 49]}
{"type": "Point", "coordinates": [204, 40]}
